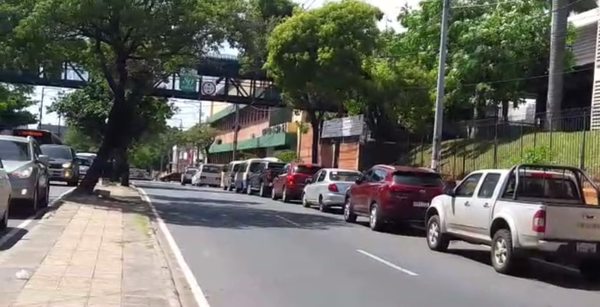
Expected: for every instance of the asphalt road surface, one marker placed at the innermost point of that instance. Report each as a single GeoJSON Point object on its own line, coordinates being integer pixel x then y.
{"type": "Point", "coordinates": [254, 252]}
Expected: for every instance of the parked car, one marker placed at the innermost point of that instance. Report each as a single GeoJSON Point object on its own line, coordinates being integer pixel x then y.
{"type": "Point", "coordinates": [27, 170]}
{"type": "Point", "coordinates": [289, 185]}
{"type": "Point", "coordinates": [5, 190]}
{"type": "Point", "coordinates": [63, 165]}
{"type": "Point", "coordinates": [85, 162]}
{"type": "Point", "coordinates": [208, 174]}
{"type": "Point", "coordinates": [328, 188]}
{"type": "Point", "coordinates": [262, 179]}
{"type": "Point", "coordinates": [186, 177]}
{"type": "Point", "coordinates": [228, 176]}
{"type": "Point", "coordinates": [526, 211]}
{"type": "Point", "coordinates": [392, 194]}
{"type": "Point", "coordinates": [139, 174]}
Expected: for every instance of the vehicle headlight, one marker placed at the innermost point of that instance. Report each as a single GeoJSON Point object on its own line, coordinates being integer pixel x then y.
{"type": "Point", "coordinates": [67, 164]}
{"type": "Point", "coordinates": [23, 172]}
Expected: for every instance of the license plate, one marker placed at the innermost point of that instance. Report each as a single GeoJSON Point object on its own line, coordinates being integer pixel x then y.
{"type": "Point", "coordinates": [420, 204]}
{"type": "Point", "coordinates": [586, 247]}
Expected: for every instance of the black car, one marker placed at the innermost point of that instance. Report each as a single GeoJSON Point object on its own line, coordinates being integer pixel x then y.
{"type": "Point", "coordinates": [63, 164]}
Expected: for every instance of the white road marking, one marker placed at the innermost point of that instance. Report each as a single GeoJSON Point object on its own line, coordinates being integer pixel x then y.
{"type": "Point", "coordinates": [28, 221]}
{"type": "Point", "coordinates": [403, 270]}
{"type": "Point", "coordinates": [288, 220]}
{"type": "Point", "coordinates": [199, 296]}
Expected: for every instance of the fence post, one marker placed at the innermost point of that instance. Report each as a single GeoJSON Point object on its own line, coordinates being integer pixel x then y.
{"type": "Point", "coordinates": [422, 151]}
{"type": "Point", "coordinates": [582, 149]}
{"type": "Point", "coordinates": [496, 144]}
{"type": "Point", "coordinates": [551, 131]}
{"type": "Point", "coordinates": [463, 162]}
{"type": "Point", "coordinates": [521, 139]}
{"type": "Point", "coordinates": [454, 163]}
{"type": "Point", "coordinates": [535, 129]}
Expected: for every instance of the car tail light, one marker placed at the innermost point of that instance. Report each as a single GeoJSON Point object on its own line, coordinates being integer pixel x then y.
{"type": "Point", "coordinates": [539, 221]}
{"type": "Point", "coordinates": [333, 188]}
{"type": "Point", "coordinates": [291, 180]}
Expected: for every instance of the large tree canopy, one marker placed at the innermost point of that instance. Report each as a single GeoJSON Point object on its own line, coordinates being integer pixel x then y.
{"type": "Point", "coordinates": [131, 45]}
{"type": "Point", "coordinates": [316, 57]}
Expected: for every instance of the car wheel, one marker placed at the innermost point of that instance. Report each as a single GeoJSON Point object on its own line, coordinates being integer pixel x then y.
{"type": "Point", "coordinates": [436, 239]}
{"type": "Point", "coordinates": [284, 196]}
{"type": "Point", "coordinates": [262, 192]}
{"type": "Point", "coordinates": [349, 215]}
{"type": "Point", "coordinates": [273, 194]}
{"type": "Point", "coordinates": [4, 221]}
{"type": "Point", "coordinates": [224, 188]}
{"type": "Point", "coordinates": [249, 189]}
{"type": "Point", "coordinates": [590, 269]}
{"type": "Point", "coordinates": [322, 206]}
{"type": "Point", "coordinates": [73, 183]}
{"type": "Point", "coordinates": [503, 259]}
{"type": "Point", "coordinates": [34, 202]}
{"type": "Point", "coordinates": [305, 202]}
{"type": "Point", "coordinates": [375, 220]}
{"type": "Point", "coordinates": [46, 199]}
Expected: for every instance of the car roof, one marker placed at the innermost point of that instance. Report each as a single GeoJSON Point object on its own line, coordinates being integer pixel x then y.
{"type": "Point", "coordinates": [55, 145]}
{"type": "Point", "coordinates": [402, 168]}
{"type": "Point", "coordinates": [14, 138]}
{"type": "Point", "coordinates": [340, 170]}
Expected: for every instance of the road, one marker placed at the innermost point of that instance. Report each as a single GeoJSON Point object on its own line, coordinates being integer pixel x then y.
{"type": "Point", "coordinates": [16, 218]}
{"type": "Point", "coordinates": [250, 251]}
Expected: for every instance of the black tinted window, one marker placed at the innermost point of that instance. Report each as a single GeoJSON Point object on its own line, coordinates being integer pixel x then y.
{"type": "Point", "coordinates": [488, 185]}
{"type": "Point", "coordinates": [305, 169]}
{"type": "Point", "coordinates": [237, 167]}
{"type": "Point", "coordinates": [14, 151]}
{"type": "Point", "coordinates": [344, 176]}
{"type": "Point", "coordinates": [57, 152]}
{"type": "Point", "coordinates": [418, 179]}
{"type": "Point", "coordinates": [551, 188]}
{"type": "Point", "coordinates": [211, 169]}
{"type": "Point", "coordinates": [84, 162]}
{"type": "Point", "coordinates": [256, 166]}
{"type": "Point", "coordinates": [272, 165]}
{"type": "Point", "coordinates": [467, 187]}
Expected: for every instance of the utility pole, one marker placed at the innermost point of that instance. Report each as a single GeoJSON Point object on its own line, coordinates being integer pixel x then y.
{"type": "Point", "coordinates": [235, 131]}
{"type": "Point", "coordinates": [439, 101]}
{"type": "Point", "coordinates": [41, 108]}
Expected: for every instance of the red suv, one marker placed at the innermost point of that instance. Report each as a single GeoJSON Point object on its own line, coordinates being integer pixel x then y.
{"type": "Point", "coordinates": [392, 194]}
{"type": "Point", "coordinates": [291, 181]}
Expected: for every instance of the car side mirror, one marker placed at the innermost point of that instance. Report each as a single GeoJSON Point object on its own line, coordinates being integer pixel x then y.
{"type": "Point", "coordinates": [449, 190]}
{"type": "Point", "coordinates": [44, 159]}
{"type": "Point", "coordinates": [359, 180]}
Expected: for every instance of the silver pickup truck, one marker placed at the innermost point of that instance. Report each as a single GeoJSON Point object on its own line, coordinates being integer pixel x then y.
{"type": "Point", "coordinates": [522, 212]}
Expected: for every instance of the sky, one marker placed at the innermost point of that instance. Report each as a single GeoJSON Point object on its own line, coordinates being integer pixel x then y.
{"type": "Point", "coordinates": [188, 110]}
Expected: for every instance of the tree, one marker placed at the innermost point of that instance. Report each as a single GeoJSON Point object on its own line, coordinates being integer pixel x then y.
{"type": "Point", "coordinates": [560, 14]}
{"type": "Point", "coordinates": [131, 45]}
{"type": "Point", "coordinates": [316, 57]}
{"type": "Point", "coordinates": [13, 101]}
{"type": "Point", "coordinates": [201, 136]}
{"type": "Point", "coordinates": [80, 141]}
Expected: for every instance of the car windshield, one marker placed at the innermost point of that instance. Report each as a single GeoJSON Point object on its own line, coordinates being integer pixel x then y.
{"type": "Point", "coordinates": [418, 179]}
{"type": "Point", "coordinates": [344, 176]}
{"type": "Point", "coordinates": [57, 152]}
{"type": "Point", "coordinates": [84, 162]}
{"type": "Point", "coordinates": [305, 169]}
{"type": "Point", "coordinates": [211, 169]}
{"type": "Point", "coordinates": [273, 165]}
{"type": "Point", "coordinates": [14, 151]}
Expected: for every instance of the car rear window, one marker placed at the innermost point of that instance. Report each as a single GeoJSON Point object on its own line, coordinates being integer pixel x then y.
{"type": "Point", "coordinates": [344, 176]}
{"type": "Point", "coordinates": [418, 179]}
{"type": "Point", "coordinates": [191, 171]}
{"type": "Point", "coordinates": [211, 169]}
{"type": "Point", "coordinates": [305, 169]}
{"type": "Point", "coordinates": [550, 188]}
{"type": "Point", "coordinates": [275, 165]}
{"type": "Point", "coordinates": [15, 151]}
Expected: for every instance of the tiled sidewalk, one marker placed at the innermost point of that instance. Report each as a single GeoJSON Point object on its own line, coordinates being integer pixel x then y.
{"type": "Point", "coordinates": [106, 255]}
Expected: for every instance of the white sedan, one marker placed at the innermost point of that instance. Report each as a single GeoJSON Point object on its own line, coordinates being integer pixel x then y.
{"type": "Point", "coordinates": [5, 190]}
{"type": "Point", "coordinates": [328, 187]}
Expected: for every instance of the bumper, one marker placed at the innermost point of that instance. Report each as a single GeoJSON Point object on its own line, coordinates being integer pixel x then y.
{"type": "Point", "coordinates": [294, 192]}
{"type": "Point", "coordinates": [210, 181]}
{"type": "Point", "coordinates": [22, 189]}
{"type": "Point", "coordinates": [61, 174]}
{"type": "Point", "coordinates": [404, 212]}
{"type": "Point", "coordinates": [334, 199]}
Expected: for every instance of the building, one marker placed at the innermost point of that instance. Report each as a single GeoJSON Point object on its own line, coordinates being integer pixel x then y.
{"type": "Point", "coordinates": [262, 132]}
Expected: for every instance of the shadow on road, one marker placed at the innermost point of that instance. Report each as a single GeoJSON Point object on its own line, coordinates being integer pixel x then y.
{"type": "Point", "coordinates": [177, 187]}
{"type": "Point", "coordinates": [6, 245]}
{"type": "Point", "coordinates": [542, 272]}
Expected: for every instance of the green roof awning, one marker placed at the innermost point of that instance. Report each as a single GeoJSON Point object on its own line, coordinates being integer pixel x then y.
{"type": "Point", "coordinates": [265, 141]}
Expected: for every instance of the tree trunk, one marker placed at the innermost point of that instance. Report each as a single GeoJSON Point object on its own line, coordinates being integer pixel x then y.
{"type": "Point", "coordinates": [315, 124]}
{"type": "Point", "coordinates": [123, 166]}
{"type": "Point", "coordinates": [505, 106]}
{"type": "Point", "coordinates": [558, 39]}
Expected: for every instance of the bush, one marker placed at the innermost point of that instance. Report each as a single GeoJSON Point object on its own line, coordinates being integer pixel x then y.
{"type": "Point", "coordinates": [538, 155]}
{"type": "Point", "coordinates": [286, 156]}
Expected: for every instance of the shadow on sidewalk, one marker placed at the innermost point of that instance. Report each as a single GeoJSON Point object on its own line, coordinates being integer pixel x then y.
{"type": "Point", "coordinates": [537, 271]}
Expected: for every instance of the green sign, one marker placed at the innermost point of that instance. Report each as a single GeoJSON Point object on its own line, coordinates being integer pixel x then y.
{"type": "Point", "coordinates": [188, 80]}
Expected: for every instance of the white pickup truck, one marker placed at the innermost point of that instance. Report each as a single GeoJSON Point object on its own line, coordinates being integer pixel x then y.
{"type": "Point", "coordinates": [546, 216]}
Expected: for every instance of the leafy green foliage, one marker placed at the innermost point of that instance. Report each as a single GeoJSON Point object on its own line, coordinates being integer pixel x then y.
{"type": "Point", "coordinates": [80, 141]}
{"type": "Point", "coordinates": [286, 156]}
{"type": "Point", "coordinates": [536, 155]}
{"type": "Point", "coordinates": [200, 136]}
{"type": "Point", "coordinates": [13, 101]}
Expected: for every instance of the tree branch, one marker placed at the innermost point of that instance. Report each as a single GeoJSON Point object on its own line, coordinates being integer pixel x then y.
{"type": "Point", "coordinates": [107, 74]}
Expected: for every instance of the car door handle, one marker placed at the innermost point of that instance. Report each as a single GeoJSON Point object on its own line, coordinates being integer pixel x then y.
{"type": "Point", "coordinates": [486, 205]}
{"type": "Point", "coordinates": [467, 204]}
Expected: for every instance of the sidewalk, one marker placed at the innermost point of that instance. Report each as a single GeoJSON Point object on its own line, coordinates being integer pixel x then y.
{"type": "Point", "coordinates": [91, 251]}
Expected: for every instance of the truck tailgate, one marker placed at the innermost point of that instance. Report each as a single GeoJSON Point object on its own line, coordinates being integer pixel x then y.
{"type": "Point", "coordinates": [570, 222]}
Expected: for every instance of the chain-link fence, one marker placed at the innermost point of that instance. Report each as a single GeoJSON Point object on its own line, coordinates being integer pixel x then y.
{"type": "Point", "coordinates": [563, 139]}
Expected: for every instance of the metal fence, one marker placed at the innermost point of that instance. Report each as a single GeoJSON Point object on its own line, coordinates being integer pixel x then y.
{"type": "Point", "coordinates": [564, 139]}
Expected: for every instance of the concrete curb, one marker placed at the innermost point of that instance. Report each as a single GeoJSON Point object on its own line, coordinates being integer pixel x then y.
{"type": "Point", "coordinates": [183, 288]}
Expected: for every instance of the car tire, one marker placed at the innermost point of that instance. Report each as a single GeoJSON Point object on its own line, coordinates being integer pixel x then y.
{"type": "Point", "coordinates": [502, 254]}
{"type": "Point", "coordinates": [349, 215]}
{"type": "Point", "coordinates": [46, 199]}
{"type": "Point", "coordinates": [375, 219]}
{"type": "Point", "coordinates": [305, 202]}
{"type": "Point", "coordinates": [322, 206]}
{"type": "Point", "coordinates": [4, 221]}
{"type": "Point", "coordinates": [590, 270]}
{"type": "Point", "coordinates": [436, 239]}
{"type": "Point", "coordinates": [273, 194]}
{"type": "Point", "coordinates": [284, 195]}
{"type": "Point", "coordinates": [262, 192]}
{"type": "Point", "coordinates": [34, 202]}
{"type": "Point", "coordinates": [73, 183]}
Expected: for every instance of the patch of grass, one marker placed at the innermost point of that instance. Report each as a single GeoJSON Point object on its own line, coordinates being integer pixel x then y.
{"type": "Point", "coordinates": [461, 156]}
{"type": "Point", "coordinates": [143, 224]}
